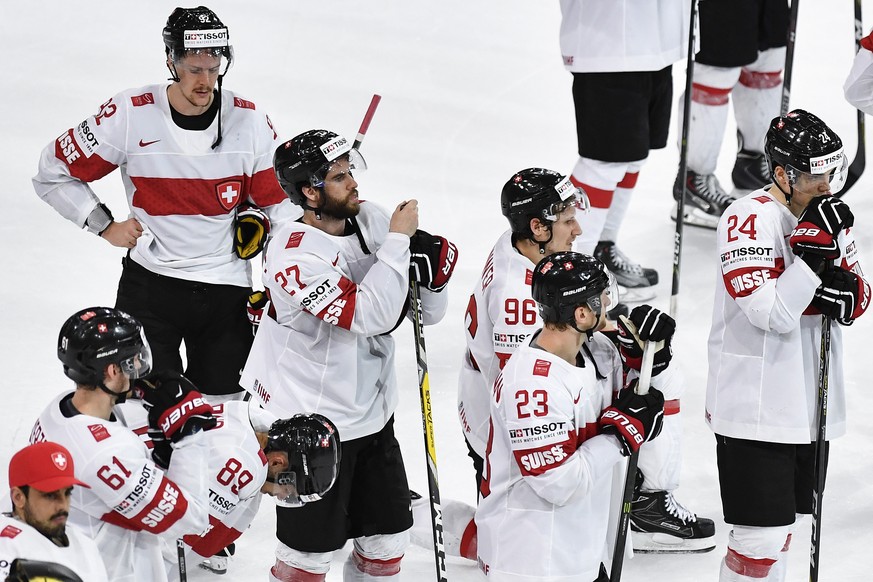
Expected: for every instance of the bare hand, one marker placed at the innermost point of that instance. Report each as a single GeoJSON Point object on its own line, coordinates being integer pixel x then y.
{"type": "Point", "coordinates": [405, 218]}
{"type": "Point", "coordinates": [123, 234]}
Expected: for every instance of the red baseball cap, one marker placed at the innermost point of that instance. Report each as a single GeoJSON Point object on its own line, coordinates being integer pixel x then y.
{"type": "Point", "coordinates": [45, 466]}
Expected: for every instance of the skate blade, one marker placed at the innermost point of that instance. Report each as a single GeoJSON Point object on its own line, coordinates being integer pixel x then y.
{"type": "Point", "coordinates": [696, 217]}
{"type": "Point", "coordinates": [661, 543]}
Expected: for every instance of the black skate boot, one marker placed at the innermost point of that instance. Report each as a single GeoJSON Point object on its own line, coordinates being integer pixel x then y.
{"type": "Point", "coordinates": [661, 525]}
{"type": "Point", "coordinates": [705, 199]}
{"type": "Point", "coordinates": [751, 171]}
{"type": "Point", "coordinates": [636, 283]}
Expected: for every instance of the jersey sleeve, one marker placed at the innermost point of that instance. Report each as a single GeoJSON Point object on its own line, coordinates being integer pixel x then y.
{"type": "Point", "coordinates": [750, 242]}
{"type": "Point", "coordinates": [858, 87]}
{"type": "Point", "coordinates": [82, 154]}
{"type": "Point", "coordinates": [555, 457]}
{"type": "Point", "coordinates": [315, 284]}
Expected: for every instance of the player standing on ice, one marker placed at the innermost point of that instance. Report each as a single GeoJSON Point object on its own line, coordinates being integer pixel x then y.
{"type": "Point", "coordinates": [338, 281]}
{"type": "Point", "coordinates": [742, 54]}
{"type": "Point", "coordinates": [541, 207]}
{"type": "Point", "coordinates": [41, 480]}
{"type": "Point", "coordinates": [129, 501]}
{"type": "Point", "coordinates": [191, 157]}
{"type": "Point", "coordinates": [787, 256]}
{"type": "Point", "coordinates": [556, 433]}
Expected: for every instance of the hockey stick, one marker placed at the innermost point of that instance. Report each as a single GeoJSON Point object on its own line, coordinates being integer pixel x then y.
{"type": "Point", "coordinates": [631, 477]}
{"type": "Point", "coordinates": [368, 117]}
{"type": "Point", "coordinates": [856, 168]}
{"type": "Point", "coordinates": [789, 56]}
{"type": "Point", "coordinates": [183, 567]}
{"type": "Point", "coordinates": [433, 486]}
{"type": "Point", "coordinates": [683, 164]}
{"type": "Point", "coordinates": [820, 447]}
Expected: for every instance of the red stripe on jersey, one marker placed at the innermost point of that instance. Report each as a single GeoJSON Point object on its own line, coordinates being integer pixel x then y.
{"type": "Point", "coordinates": [265, 189]}
{"type": "Point", "coordinates": [341, 311]}
{"type": "Point", "coordinates": [629, 180]}
{"type": "Point", "coordinates": [81, 167]}
{"type": "Point", "coordinates": [166, 508]}
{"type": "Point", "coordinates": [743, 282]}
{"type": "Point", "coordinates": [598, 197]}
{"type": "Point", "coordinates": [671, 407]}
{"type": "Point", "coordinates": [539, 460]}
{"type": "Point", "coordinates": [709, 95]}
{"type": "Point", "coordinates": [760, 80]}
{"type": "Point", "coordinates": [218, 537]}
{"type": "Point", "coordinates": [184, 196]}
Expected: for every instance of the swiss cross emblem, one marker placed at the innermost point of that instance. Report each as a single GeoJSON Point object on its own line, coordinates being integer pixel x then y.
{"type": "Point", "coordinates": [228, 193]}
{"type": "Point", "coordinates": [101, 327]}
{"type": "Point", "coordinates": [60, 460]}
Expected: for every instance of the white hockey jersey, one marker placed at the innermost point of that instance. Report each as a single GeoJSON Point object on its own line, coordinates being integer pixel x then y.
{"type": "Point", "coordinates": [183, 192]}
{"type": "Point", "coordinates": [765, 339]}
{"type": "Point", "coordinates": [20, 540]}
{"type": "Point", "coordinates": [858, 87]}
{"type": "Point", "coordinates": [131, 501]}
{"type": "Point", "coordinates": [602, 36]}
{"type": "Point", "coordinates": [546, 490]}
{"type": "Point", "coordinates": [327, 350]}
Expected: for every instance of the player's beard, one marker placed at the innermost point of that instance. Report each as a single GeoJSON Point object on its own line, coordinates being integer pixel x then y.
{"type": "Point", "coordinates": [349, 207]}
{"type": "Point", "coordinates": [47, 528]}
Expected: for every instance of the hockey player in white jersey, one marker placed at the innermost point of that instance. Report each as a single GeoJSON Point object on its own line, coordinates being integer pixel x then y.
{"type": "Point", "coordinates": [858, 87]}
{"type": "Point", "coordinates": [787, 255]}
{"type": "Point", "coordinates": [41, 482]}
{"type": "Point", "coordinates": [339, 280]}
{"type": "Point", "coordinates": [192, 158]}
{"type": "Point", "coordinates": [556, 433]}
{"type": "Point", "coordinates": [540, 207]}
{"type": "Point", "coordinates": [130, 501]}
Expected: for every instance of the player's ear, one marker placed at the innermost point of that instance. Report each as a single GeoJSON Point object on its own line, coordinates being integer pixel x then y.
{"type": "Point", "coordinates": [18, 497]}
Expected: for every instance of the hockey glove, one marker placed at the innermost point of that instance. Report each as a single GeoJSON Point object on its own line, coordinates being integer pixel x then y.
{"type": "Point", "coordinates": [634, 418]}
{"type": "Point", "coordinates": [175, 408]}
{"type": "Point", "coordinates": [432, 260]}
{"type": "Point", "coordinates": [257, 306]}
{"type": "Point", "coordinates": [842, 296]}
{"type": "Point", "coordinates": [645, 324]}
{"type": "Point", "coordinates": [814, 237]}
{"type": "Point", "coordinates": [250, 230]}
{"type": "Point", "coordinates": [22, 570]}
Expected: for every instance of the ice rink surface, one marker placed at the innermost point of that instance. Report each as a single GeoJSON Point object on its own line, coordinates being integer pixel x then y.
{"type": "Point", "coordinates": [472, 92]}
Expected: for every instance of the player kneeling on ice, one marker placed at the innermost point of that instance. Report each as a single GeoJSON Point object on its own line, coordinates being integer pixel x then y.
{"type": "Point", "coordinates": [788, 257]}
{"type": "Point", "coordinates": [559, 431]}
{"type": "Point", "coordinates": [130, 502]}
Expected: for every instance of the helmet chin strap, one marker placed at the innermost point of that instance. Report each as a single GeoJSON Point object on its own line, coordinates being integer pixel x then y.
{"type": "Point", "coordinates": [120, 398]}
{"type": "Point", "coordinates": [542, 244]}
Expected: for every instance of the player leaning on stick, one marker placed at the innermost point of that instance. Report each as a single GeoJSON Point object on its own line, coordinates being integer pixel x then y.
{"type": "Point", "coordinates": [557, 432]}
{"type": "Point", "coordinates": [338, 280]}
{"type": "Point", "coordinates": [191, 157]}
{"type": "Point", "coordinates": [787, 256]}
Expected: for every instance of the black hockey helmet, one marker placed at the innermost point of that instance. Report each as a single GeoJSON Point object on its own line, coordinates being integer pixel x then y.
{"type": "Point", "coordinates": [306, 159]}
{"type": "Point", "coordinates": [197, 29]}
{"type": "Point", "coordinates": [800, 142]}
{"type": "Point", "coordinates": [312, 444]}
{"type": "Point", "coordinates": [538, 193]}
{"type": "Point", "coordinates": [564, 281]}
{"type": "Point", "coordinates": [95, 337]}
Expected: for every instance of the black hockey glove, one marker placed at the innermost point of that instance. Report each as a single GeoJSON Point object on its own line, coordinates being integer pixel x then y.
{"type": "Point", "coordinates": [22, 570]}
{"type": "Point", "coordinates": [814, 239]}
{"type": "Point", "coordinates": [842, 296]}
{"type": "Point", "coordinates": [250, 230]}
{"type": "Point", "coordinates": [432, 260]}
{"type": "Point", "coordinates": [176, 408]}
{"type": "Point", "coordinates": [634, 418]}
{"type": "Point", "coordinates": [645, 324]}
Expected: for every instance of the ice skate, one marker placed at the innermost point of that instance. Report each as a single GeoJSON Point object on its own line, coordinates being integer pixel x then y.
{"type": "Point", "coordinates": [635, 283]}
{"type": "Point", "coordinates": [217, 564]}
{"type": "Point", "coordinates": [705, 199]}
{"type": "Point", "coordinates": [660, 524]}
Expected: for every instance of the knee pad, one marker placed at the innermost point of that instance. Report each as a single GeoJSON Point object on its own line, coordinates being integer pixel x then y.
{"type": "Point", "coordinates": [660, 460]}
{"type": "Point", "coordinates": [752, 551]}
{"type": "Point", "coordinates": [769, 61]}
{"type": "Point", "coordinates": [294, 565]}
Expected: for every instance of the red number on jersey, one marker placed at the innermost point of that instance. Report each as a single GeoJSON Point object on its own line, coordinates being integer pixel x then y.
{"type": "Point", "coordinates": [747, 228]}
{"type": "Point", "coordinates": [229, 473]}
{"type": "Point", "coordinates": [114, 480]}
{"type": "Point", "coordinates": [282, 279]}
{"type": "Point", "coordinates": [107, 110]}
{"type": "Point", "coordinates": [539, 407]}
{"type": "Point", "coordinates": [520, 311]}
{"type": "Point", "coordinates": [472, 317]}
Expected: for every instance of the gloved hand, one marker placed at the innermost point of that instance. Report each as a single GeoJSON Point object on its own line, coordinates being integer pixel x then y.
{"type": "Point", "coordinates": [842, 296]}
{"type": "Point", "coordinates": [814, 237]}
{"type": "Point", "coordinates": [432, 260]}
{"type": "Point", "coordinates": [250, 230]}
{"type": "Point", "coordinates": [257, 306]}
{"type": "Point", "coordinates": [634, 418]}
{"type": "Point", "coordinates": [176, 408]}
{"type": "Point", "coordinates": [22, 570]}
{"type": "Point", "coordinates": [645, 324]}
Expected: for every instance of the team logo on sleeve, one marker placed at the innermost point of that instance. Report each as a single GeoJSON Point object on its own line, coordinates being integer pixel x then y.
{"type": "Point", "coordinates": [228, 193]}
{"type": "Point", "coordinates": [541, 368]}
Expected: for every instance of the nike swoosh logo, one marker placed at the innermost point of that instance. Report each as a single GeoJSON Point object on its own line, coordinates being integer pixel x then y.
{"type": "Point", "coordinates": [336, 260]}
{"type": "Point", "coordinates": [637, 410]}
{"type": "Point", "coordinates": [143, 144]}
{"type": "Point", "coordinates": [576, 400]}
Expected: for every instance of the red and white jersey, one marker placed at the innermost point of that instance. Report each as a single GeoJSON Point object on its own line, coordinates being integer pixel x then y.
{"type": "Point", "coordinates": [131, 500]}
{"type": "Point", "coordinates": [858, 87]}
{"type": "Point", "coordinates": [20, 540]}
{"type": "Point", "coordinates": [623, 35]}
{"type": "Point", "coordinates": [500, 315]}
{"type": "Point", "coordinates": [327, 350]}
{"type": "Point", "coordinates": [183, 192]}
{"type": "Point", "coordinates": [547, 469]}
{"type": "Point", "coordinates": [765, 339]}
